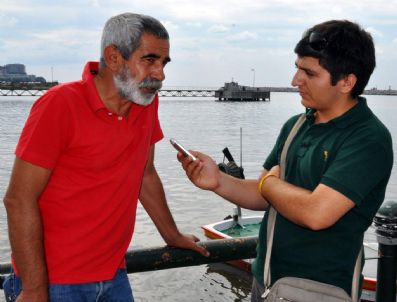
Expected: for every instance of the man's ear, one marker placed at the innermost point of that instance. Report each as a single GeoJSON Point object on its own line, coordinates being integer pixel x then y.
{"type": "Point", "coordinates": [347, 83]}
{"type": "Point", "coordinates": [112, 57]}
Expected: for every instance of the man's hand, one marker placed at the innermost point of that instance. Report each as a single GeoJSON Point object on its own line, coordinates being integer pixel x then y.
{"type": "Point", "coordinates": [40, 295]}
{"type": "Point", "coordinates": [188, 241]}
{"type": "Point", "coordinates": [202, 172]}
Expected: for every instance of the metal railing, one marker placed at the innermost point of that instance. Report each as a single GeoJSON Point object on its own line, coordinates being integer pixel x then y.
{"type": "Point", "coordinates": [159, 258]}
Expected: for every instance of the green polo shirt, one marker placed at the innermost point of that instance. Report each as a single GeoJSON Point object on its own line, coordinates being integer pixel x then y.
{"type": "Point", "coordinates": [351, 154]}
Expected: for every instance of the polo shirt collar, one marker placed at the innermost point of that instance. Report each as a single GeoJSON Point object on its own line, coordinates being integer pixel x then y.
{"type": "Point", "coordinates": [310, 115]}
{"type": "Point", "coordinates": [357, 113]}
{"type": "Point", "coordinates": [90, 71]}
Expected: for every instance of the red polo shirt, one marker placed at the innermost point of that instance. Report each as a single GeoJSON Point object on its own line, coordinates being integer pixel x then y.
{"type": "Point", "coordinates": [97, 160]}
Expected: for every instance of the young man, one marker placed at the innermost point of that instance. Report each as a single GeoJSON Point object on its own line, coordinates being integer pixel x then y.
{"type": "Point", "coordinates": [84, 157]}
{"type": "Point", "coordinates": [337, 166]}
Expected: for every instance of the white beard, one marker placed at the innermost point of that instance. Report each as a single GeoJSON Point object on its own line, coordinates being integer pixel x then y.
{"type": "Point", "coordinates": [129, 88]}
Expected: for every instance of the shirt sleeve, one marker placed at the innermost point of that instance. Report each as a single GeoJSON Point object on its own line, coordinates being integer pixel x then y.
{"type": "Point", "coordinates": [360, 165]}
{"type": "Point", "coordinates": [44, 135]}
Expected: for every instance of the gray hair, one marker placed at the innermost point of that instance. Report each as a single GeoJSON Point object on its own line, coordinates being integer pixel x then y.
{"type": "Point", "coordinates": [124, 31]}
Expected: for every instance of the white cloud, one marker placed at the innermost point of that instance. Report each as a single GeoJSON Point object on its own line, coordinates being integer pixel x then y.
{"type": "Point", "coordinates": [218, 38]}
{"type": "Point", "coordinates": [265, 12]}
{"type": "Point", "coordinates": [378, 50]}
{"type": "Point", "coordinates": [374, 32]}
{"type": "Point", "coordinates": [218, 29]}
{"type": "Point", "coordinates": [57, 46]}
{"type": "Point", "coordinates": [170, 25]}
{"type": "Point", "coordinates": [7, 21]}
{"type": "Point", "coordinates": [94, 3]}
{"type": "Point", "coordinates": [243, 36]}
{"type": "Point", "coordinates": [194, 24]}
{"type": "Point", "coordinates": [65, 34]}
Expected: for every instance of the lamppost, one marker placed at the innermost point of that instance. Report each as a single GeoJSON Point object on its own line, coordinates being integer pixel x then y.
{"type": "Point", "coordinates": [253, 80]}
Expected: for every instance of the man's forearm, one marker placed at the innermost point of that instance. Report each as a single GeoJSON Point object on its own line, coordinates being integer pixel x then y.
{"type": "Point", "coordinates": [153, 199]}
{"type": "Point", "coordinates": [290, 201]}
{"type": "Point", "coordinates": [316, 210]}
{"type": "Point", "coordinates": [241, 192]}
{"type": "Point", "coordinates": [26, 238]}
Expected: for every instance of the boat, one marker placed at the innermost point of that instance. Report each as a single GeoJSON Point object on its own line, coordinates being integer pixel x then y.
{"type": "Point", "coordinates": [238, 226]}
{"type": "Point", "coordinates": [229, 228]}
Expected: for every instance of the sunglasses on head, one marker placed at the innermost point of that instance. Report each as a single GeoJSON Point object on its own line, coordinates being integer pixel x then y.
{"type": "Point", "coordinates": [317, 41]}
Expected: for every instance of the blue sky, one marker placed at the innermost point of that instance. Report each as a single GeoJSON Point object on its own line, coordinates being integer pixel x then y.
{"type": "Point", "coordinates": [211, 41]}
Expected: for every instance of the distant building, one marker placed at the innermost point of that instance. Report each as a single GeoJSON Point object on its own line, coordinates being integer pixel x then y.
{"type": "Point", "coordinates": [234, 92]}
{"type": "Point", "coordinates": [16, 73]}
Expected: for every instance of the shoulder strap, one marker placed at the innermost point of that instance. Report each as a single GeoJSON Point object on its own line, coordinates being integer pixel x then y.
{"type": "Point", "coordinates": [356, 277]}
{"type": "Point", "coordinates": [271, 220]}
{"type": "Point", "coordinates": [288, 141]}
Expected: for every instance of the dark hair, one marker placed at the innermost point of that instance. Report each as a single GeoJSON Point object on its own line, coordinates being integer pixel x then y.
{"type": "Point", "coordinates": [124, 31]}
{"type": "Point", "coordinates": [342, 48]}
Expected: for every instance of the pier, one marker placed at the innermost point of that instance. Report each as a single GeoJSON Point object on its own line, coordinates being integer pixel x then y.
{"type": "Point", "coordinates": [243, 93]}
{"type": "Point", "coordinates": [38, 89]}
{"type": "Point", "coordinates": [25, 89]}
{"type": "Point", "coordinates": [230, 92]}
{"type": "Point", "coordinates": [187, 92]}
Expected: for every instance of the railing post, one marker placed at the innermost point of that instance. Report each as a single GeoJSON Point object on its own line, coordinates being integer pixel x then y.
{"type": "Point", "coordinates": [386, 233]}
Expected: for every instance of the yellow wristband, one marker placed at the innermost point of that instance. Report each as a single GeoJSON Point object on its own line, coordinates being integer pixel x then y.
{"type": "Point", "coordinates": [262, 181]}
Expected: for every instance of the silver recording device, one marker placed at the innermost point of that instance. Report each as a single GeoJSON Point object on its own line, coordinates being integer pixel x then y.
{"type": "Point", "coordinates": [182, 149]}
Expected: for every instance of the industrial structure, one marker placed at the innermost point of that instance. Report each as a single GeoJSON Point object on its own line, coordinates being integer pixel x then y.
{"type": "Point", "coordinates": [16, 73]}
{"type": "Point", "coordinates": [234, 92]}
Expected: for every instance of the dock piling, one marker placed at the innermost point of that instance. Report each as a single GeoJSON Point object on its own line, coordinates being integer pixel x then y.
{"type": "Point", "coordinates": [386, 233]}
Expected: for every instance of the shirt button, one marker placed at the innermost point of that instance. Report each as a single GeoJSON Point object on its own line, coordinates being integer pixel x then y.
{"type": "Point", "coordinates": [120, 118]}
{"type": "Point", "coordinates": [109, 113]}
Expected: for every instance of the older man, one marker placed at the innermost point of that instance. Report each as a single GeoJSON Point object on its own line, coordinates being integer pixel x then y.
{"type": "Point", "coordinates": [84, 158]}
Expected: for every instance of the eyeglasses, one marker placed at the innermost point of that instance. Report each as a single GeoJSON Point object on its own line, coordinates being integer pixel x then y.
{"type": "Point", "coordinates": [317, 41]}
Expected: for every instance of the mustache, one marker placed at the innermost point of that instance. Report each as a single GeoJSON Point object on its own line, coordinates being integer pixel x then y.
{"type": "Point", "coordinates": [151, 83]}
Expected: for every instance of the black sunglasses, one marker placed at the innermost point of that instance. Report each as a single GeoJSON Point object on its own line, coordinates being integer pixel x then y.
{"type": "Point", "coordinates": [317, 41]}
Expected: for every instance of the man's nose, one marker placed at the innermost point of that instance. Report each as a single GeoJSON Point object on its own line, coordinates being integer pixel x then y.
{"type": "Point", "coordinates": [296, 80]}
{"type": "Point", "coordinates": [158, 73]}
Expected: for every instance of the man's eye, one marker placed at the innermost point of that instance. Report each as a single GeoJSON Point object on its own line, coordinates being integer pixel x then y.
{"type": "Point", "coordinates": [309, 73]}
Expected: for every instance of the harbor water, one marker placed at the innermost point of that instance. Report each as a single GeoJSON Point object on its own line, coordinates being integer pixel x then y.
{"type": "Point", "coordinates": [208, 126]}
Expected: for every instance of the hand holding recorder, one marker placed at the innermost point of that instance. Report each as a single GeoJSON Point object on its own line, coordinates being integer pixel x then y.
{"type": "Point", "coordinates": [203, 173]}
{"type": "Point", "coordinates": [182, 149]}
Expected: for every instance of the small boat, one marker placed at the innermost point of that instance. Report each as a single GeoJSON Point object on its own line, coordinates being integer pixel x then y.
{"type": "Point", "coordinates": [229, 228]}
{"type": "Point", "coordinates": [238, 226]}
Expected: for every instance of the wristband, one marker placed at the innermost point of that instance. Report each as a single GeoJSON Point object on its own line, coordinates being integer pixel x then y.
{"type": "Point", "coordinates": [262, 181]}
